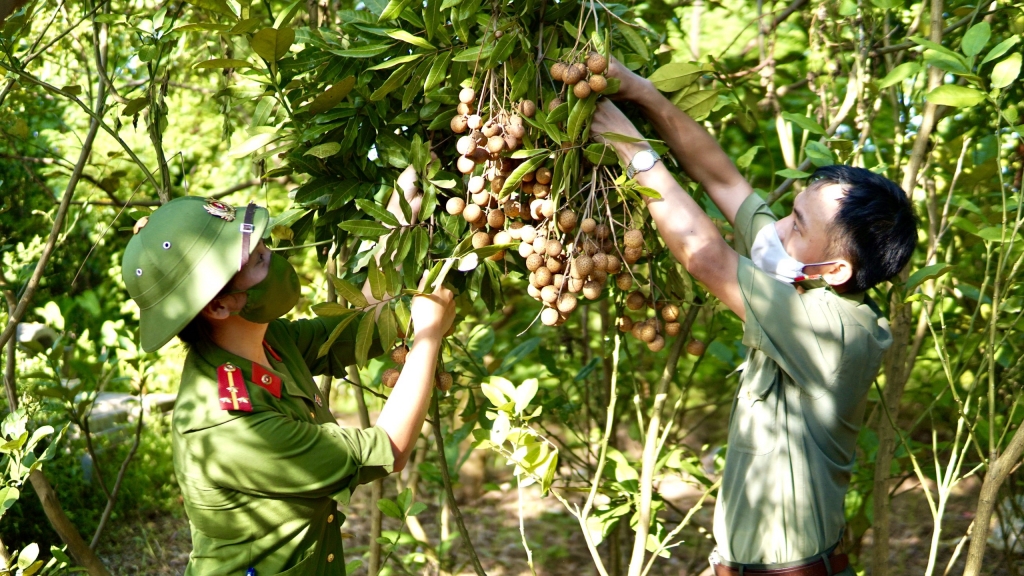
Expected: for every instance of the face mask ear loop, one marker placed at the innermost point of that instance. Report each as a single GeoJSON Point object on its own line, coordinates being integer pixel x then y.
{"type": "Point", "coordinates": [247, 229]}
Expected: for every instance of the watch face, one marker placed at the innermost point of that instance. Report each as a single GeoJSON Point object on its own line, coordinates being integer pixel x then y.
{"type": "Point", "coordinates": [643, 160]}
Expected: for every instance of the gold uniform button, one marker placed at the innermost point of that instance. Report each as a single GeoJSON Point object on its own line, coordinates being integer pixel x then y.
{"type": "Point", "coordinates": [330, 557]}
{"type": "Point", "coordinates": [312, 415]}
{"type": "Point", "coordinates": [266, 379]}
{"type": "Point", "coordinates": [330, 518]}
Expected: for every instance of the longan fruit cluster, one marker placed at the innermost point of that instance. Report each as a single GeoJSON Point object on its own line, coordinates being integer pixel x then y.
{"type": "Point", "coordinates": [487, 138]}
{"type": "Point", "coordinates": [583, 78]}
{"type": "Point", "coordinates": [442, 380]}
{"type": "Point", "coordinates": [651, 331]}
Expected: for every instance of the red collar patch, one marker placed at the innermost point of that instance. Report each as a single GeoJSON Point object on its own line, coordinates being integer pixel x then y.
{"type": "Point", "coordinates": [231, 389]}
{"type": "Point", "coordinates": [264, 379]}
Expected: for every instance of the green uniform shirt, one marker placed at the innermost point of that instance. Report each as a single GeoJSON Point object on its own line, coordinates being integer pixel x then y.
{"type": "Point", "coordinates": [801, 399]}
{"type": "Point", "coordinates": [261, 487]}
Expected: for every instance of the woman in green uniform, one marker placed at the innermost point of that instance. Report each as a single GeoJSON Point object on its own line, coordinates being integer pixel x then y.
{"type": "Point", "coordinates": [261, 462]}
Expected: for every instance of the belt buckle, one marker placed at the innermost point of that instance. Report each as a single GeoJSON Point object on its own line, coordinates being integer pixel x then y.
{"type": "Point", "coordinates": [714, 559]}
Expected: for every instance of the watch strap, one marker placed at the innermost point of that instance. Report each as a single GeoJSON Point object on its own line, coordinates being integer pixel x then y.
{"type": "Point", "coordinates": [631, 169]}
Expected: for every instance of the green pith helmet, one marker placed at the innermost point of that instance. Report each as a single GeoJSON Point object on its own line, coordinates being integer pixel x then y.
{"type": "Point", "coordinates": [182, 256]}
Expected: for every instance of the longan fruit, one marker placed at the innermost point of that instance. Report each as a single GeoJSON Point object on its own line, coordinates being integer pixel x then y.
{"type": "Point", "coordinates": [481, 239]}
{"type": "Point", "coordinates": [528, 108]}
{"type": "Point", "coordinates": [558, 71]}
{"type": "Point", "coordinates": [574, 74]}
{"type": "Point", "coordinates": [581, 90]}
{"type": "Point", "coordinates": [601, 231]}
{"type": "Point", "coordinates": [525, 250]}
{"type": "Point", "coordinates": [511, 142]}
{"type": "Point", "coordinates": [553, 247]}
{"type": "Point", "coordinates": [541, 190]}
{"type": "Point", "coordinates": [534, 262]}
{"type": "Point", "coordinates": [472, 213]}
{"type": "Point", "coordinates": [624, 281]}
{"type": "Point", "coordinates": [614, 265]}
{"type": "Point", "coordinates": [590, 247]}
{"type": "Point", "coordinates": [549, 317]}
{"type": "Point", "coordinates": [495, 144]}
{"type": "Point", "coordinates": [465, 145]}
{"type": "Point", "coordinates": [596, 63]}
{"type": "Point", "coordinates": [512, 209]}
{"type": "Point", "coordinates": [625, 323]}
{"type": "Point", "coordinates": [695, 347]}
{"type": "Point", "coordinates": [497, 184]}
{"type": "Point", "coordinates": [528, 234]}
{"type": "Point", "coordinates": [443, 381]}
{"type": "Point", "coordinates": [632, 254]}
{"type": "Point", "coordinates": [502, 237]}
{"type": "Point", "coordinates": [635, 300]}
{"type": "Point", "coordinates": [598, 83]}
{"type": "Point", "coordinates": [636, 329]}
{"type": "Point", "coordinates": [553, 264]}
{"type": "Point", "coordinates": [479, 137]}
{"type": "Point", "coordinates": [582, 266]}
{"type": "Point", "coordinates": [588, 225]}
{"type": "Point", "coordinates": [517, 131]}
{"type": "Point", "coordinates": [600, 261]}
{"type": "Point", "coordinates": [673, 328]}
{"type": "Point", "coordinates": [540, 245]}
{"type": "Point", "coordinates": [544, 277]}
{"type": "Point", "coordinates": [399, 353]}
{"type": "Point", "coordinates": [463, 109]}
{"type": "Point", "coordinates": [455, 206]}
{"type": "Point", "coordinates": [599, 276]}
{"type": "Point", "coordinates": [532, 290]}
{"type": "Point", "coordinates": [670, 312]}
{"type": "Point", "coordinates": [566, 220]}
{"type": "Point", "coordinates": [547, 208]}
{"type": "Point", "coordinates": [555, 103]}
{"type": "Point", "coordinates": [475, 121]}
{"type": "Point", "coordinates": [465, 164]}
{"type": "Point", "coordinates": [558, 281]}
{"type": "Point", "coordinates": [592, 290]}
{"type": "Point", "coordinates": [467, 95]}
{"type": "Point", "coordinates": [482, 198]}
{"type": "Point", "coordinates": [390, 377]}
{"type": "Point", "coordinates": [575, 285]}
{"type": "Point", "coordinates": [459, 124]}
{"type": "Point", "coordinates": [549, 294]}
{"type": "Point", "coordinates": [633, 238]}
{"type": "Point", "coordinates": [648, 333]}
{"type": "Point", "coordinates": [567, 302]}
{"type": "Point", "coordinates": [656, 345]}
{"type": "Point", "coordinates": [475, 184]}
{"type": "Point", "coordinates": [543, 175]}
{"type": "Point", "coordinates": [491, 128]}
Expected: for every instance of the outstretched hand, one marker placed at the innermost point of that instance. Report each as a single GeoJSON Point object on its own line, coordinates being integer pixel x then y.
{"type": "Point", "coordinates": [433, 314]}
{"type": "Point", "coordinates": [608, 119]}
{"type": "Point", "coordinates": [632, 86]}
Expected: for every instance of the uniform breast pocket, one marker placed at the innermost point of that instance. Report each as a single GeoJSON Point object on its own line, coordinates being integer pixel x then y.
{"type": "Point", "coordinates": [753, 428]}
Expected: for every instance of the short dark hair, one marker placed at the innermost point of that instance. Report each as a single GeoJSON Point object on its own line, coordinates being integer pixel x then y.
{"type": "Point", "coordinates": [194, 332]}
{"type": "Point", "coordinates": [875, 227]}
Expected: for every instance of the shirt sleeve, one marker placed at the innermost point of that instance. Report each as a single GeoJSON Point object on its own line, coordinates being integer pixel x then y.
{"type": "Point", "coordinates": [310, 334]}
{"type": "Point", "coordinates": [269, 454]}
{"type": "Point", "coordinates": [753, 214]}
{"type": "Point", "coordinates": [800, 332]}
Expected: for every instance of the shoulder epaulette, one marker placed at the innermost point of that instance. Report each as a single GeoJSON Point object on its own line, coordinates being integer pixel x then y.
{"type": "Point", "coordinates": [264, 379]}
{"type": "Point", "coordinates": [231, 389]}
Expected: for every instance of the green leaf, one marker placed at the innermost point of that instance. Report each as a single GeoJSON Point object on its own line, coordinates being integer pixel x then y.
{"type": "Point", "coordinates": [332, 96]}
{"type": "Point", "coordinates": [525, 393]}
{"type": "Point", "coordinates": [8, 496]}
{"type": "Point", "coordinates": [251, 145]}
{"type": "Point", "coordinates": [649, 192]}
{"type": "Point", "coordinates": [926, 273]}
{"type": "Point", "coordinates": [325, 150]}
{"type": "Point", "coordinates": [364, 228]}
{"type": "Point", "coordinates": [366, 51]}
{"type": "Point", "coordinates": [634, 40]}
{"type": "Point", "coordinates": [364, 338]}
{"type": "Point", "coordinates": [502, 50]}
{"type": "Point", "coordinates": [396, 61]}
{"type": "Point", "coordinates": [601, 155]}
{"type": "Point", "coordinates": [975, 38]}
{"type": "Point", "coordinates": [338, 329]}
{"type": "Point", "coordinates": [494, 396]}
{"type": "Point", "coordinates": [272, 44]}
{"type": "Point", "coordinates": [377, 212]}
{"type": "Point", "coordinates": [1006, 71]}
{"type": "Point", "coordinates": [376, 279]}
{"type": "Point", "coordinates": [222, 63]}
{"type": "Point", "coordinates": [804, 122]}
{"type": "Point", "coordinates": [516, 354]}
{"type": "Point", "coordinates": [500, 429]}
{"type": "Point", "coordinates": [218, 6]}
{"type": "Point", "coordinates": [399, 34]}
{"type": "Point", "coordinates": [28, 555]}
{"type": "Point", "coordinates": [135, 106]}
{"type": "Point", "coordinates": [349, 292]}
{"type": "Point", "coordinates": [516, 177]}
{"type": "Point", "coordinates": [1001, 48]}
{"type": "Point", "coordinates": [699, 104]}
{"type": "Point", "coordinates": [387, 327]}
{"type": "Point", "coordinates": [676, 76]}
{"type": "Point", "coordinates": [393, 9]}
{"type": "Point", "coordinates": [819, 154]}
{"type": "Point", "coordinates": [956, 96]}
{"type": "Point", "coordinates": [993, 233]}
{"type": "Point", "coordinates": [331, 309]}
{"type": "Point", "coordinates": [438, 71]}
{"type": "Point", "coordinates": [899, 74]}
{"type": "Point", "coordinates": [887, 4]}
{"type": "Point", "coordinates": [397, 78]}
{"type": "Point", "coordinates": [579, 117]}
{"type": "Point", "coordinates": [389, 508]}
{"type": "Point", "coordinates": [938, 48]}
{"type": "Point", "coordinates": [792, 173]}
{"type": "Point", "coordinates": [416, 508]}
{"type": "Point", "coordinates": [522, 81]}
{"type": "Point", "coordinates": [744, 161]}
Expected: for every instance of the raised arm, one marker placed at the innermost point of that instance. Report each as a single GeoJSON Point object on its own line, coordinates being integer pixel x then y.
{"type": "Point", "coordinates": [698, 153]}
{"type": "Point", "coordinates": [690, 235]}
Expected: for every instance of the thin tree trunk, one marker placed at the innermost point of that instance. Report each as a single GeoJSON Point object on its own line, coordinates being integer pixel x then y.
{"type": "Point", "coordinates": [895, 367]}
{"type": "Point", "coordinates": [376, 487]}
{"type": "Point", "coordinates": [997, 474]}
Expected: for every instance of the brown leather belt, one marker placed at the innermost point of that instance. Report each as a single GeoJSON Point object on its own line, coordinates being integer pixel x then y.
{"type": "Point", "coordinates": [838, 562]}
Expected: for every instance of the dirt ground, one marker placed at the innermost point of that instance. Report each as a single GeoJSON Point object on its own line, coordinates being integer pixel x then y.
{"type": "Point", "coordinates": [160, 545]}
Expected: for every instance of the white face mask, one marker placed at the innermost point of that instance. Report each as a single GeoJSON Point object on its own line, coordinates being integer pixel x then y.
{"type": "Point", "coordinates": [768, 254]}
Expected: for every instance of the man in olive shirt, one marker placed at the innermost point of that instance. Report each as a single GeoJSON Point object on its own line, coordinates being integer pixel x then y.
{"type": "Point", "coordinates": [815, 339]}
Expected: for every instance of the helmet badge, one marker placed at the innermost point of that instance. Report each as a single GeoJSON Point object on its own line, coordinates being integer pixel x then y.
{"type": "Point", "coordinates": [220, 209]}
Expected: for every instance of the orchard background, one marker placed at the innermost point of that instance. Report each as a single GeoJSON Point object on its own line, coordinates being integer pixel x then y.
{"type": "Point", "coordinates": [584, 427]}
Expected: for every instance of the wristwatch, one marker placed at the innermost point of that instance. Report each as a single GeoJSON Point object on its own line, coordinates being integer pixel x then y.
{"type": "Point", "coordinates": [642, 161]}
